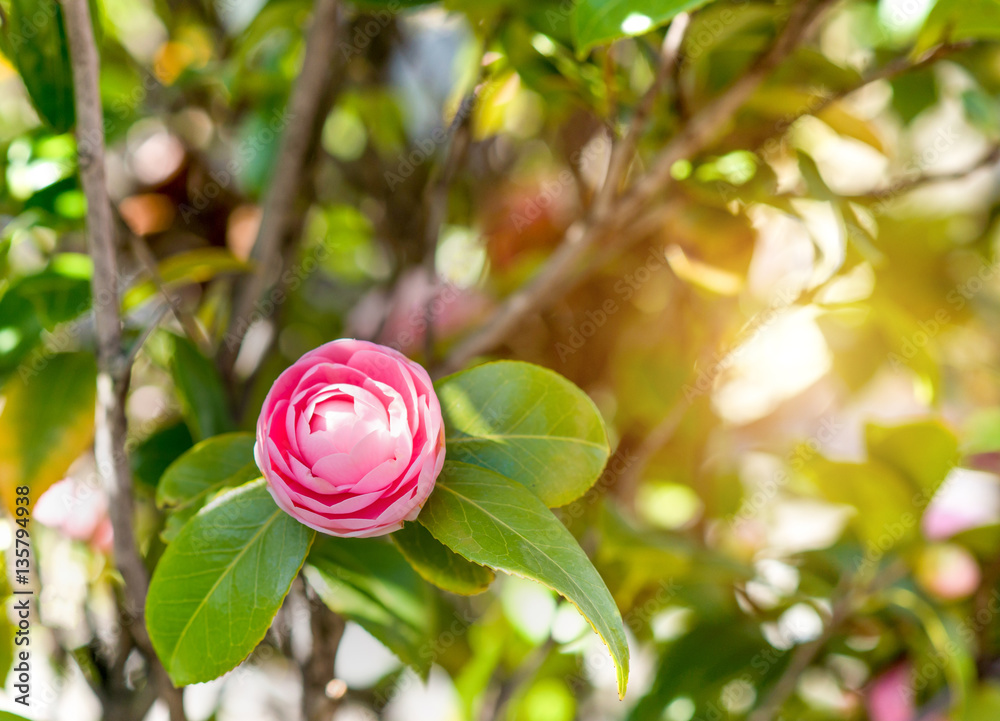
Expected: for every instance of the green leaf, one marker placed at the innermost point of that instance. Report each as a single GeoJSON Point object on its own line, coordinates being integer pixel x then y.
{"type": "Point", "coordinates": [219, 584]}
{"type": "Point", "coordinates": [153, 456]}
{"type": "Point", "coordinates": [700, 664]}
{"type": "Point", "coordinates": [56, 294]}
{"type": "Point", "coordinates": [494, 521]}
{"type": "Point", "coordinates": [7, 649]}
{"type": "Point", "coordinates": [47, 421]}
{"type": "Point", "coordinates": [35, 41]}
{"type": "Point", "coordinates": [192, 266]}
{"type": "Point", "coordinates": [602, 21]}
{"type": "Point", "coordinates": [20, 331]}
{"type": "Point", "coordinates": [212, 466]}
{"type": "Point", "coordinates": [199, 387]}
{"type": "Point", "coordinates": [369, 582]}
{"type": "Point", "coordinates": [7, 716]}
{"type": "Point", "coordinates": [526, 423]}
{"type": "Point", "coordinates": [439, 564]}
{"type": "Point", "coordinates": [981, 431]}
{"type": "Point", "coordinates": [923, 452]}
{"type": "Point", "coordinates": [60, 292]}
{"type": "Point", "coordinates": [955, 20]}
{"type": "Point", "coordinates": [985, 704]}
{"type": "Point", "coordinates": [882, 497]}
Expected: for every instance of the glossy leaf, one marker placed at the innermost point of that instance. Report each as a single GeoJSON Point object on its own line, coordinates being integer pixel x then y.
{"type": "Point", "coordinates": [494, 521]}
{"type": "Point", "coordinates": [219, 584]}
{"type": "Point", "coordinates": [601, 21]}
{"type": "Point", "coordinates": [199, 387]}
{"type": "Point", "coordinates": [21, 329]}
{"type": "Point", "coordinates": [956, 20]}
{"type": "Point", "coordinates": [703, 661]}
{"type": "Point", "coordinates": [153, 456]}
{"type": "Point", "coordinates": [215, 464]}
{"type": "Point", "coordinates": [47, 421]}
{"type": "Point", "coordinates": [881, 497]}
{"type": "Point", "coordinates": [193, 266]}
{"type": "Point", "coordinates": [439, 564]}
{"type": "Point", "coordinates": [35, 40]}
{"type": "Point", "coordinates": [369, 582]}
{"type": "Point", "coordinates": [60, 292]}
{"type": "Point", "coordinates": [923, 452]}
{"type": "Point", "coordinates": [526, 423]}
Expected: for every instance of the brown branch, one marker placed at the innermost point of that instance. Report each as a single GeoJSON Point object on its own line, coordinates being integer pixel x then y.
{"type": "Point", "coordinates": [305, 107]}
{"type": "Point", "coordinates": [113, 370]}
{"type": "Point", "coordinates": [706, 124]}
{"type": "Point", "coordinates": [905, 185]}
{"type": "Point", "coordinates": [318, 704]}
{"type": "Point", "coordinates": [582, 235]}
{"type": "Point", "coordinates": [624, 150]}
{"type": "Point", "coordinates": [436, 200]}
{"type": "Point", "coordinates": [893, 69]}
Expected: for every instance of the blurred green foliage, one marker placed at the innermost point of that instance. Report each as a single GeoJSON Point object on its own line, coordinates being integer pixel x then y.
{"type": "Point", "coordinates": [795, 349]}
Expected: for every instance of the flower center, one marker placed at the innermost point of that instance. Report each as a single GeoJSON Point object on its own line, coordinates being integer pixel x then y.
{"type": "Point", "coordinates": [342, 420]}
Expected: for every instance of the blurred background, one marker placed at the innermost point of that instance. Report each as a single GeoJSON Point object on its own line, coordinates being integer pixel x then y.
{"type": "Point", "coordinates": [794, 343]}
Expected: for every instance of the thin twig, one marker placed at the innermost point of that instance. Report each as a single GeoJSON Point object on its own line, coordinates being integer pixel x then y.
{"type": "Point", "coordinates": [623, 151]}
{"type": "Point", "coordinates": [151, 325]}
{"type": "Point", "coordinates": [905, 185]}
{"type": "Point", "coordinates": [304, 108]}
{"type": "Point", "coordinates": [705, 125]}
{"type": "Point", "coordinates": [892, 69]}
{"type": "Point", "coordinates": [850, 592]}
{"type": "Point", "coordinates": [327, 630]}
{"type": "Point", "coordinates": [583, 234]}
{"type": "Point", "coordinates": [142, 252]}
{"type": "Point", "coordinates": [113, 371]}
{"type": "Point", "coordinates": [437, 204]}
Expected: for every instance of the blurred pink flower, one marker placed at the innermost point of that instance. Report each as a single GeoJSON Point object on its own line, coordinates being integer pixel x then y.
{"type": "Point", "coordinates": [890, 696]}
{"type": "Point", "coordinates": [78, 510]}
{"type": "Point", "coordinates": [948, 571]}
{"type": "Point", "coordinates": [967, 499]}
{"type": "Point", "coordinates": [350, 439]}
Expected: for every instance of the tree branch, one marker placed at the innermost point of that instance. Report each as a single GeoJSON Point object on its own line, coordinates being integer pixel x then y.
{"type": "Point", "coordinates": [318, 704]}
{"type": "Point", "coordinates": [583, 234]}
{"type": "Point", "coordinates": [624, 150]}
{"type": "Point", "coordinates": [113, 370]}
{"type": "Point", "coordinates": [893, 69]}
{"type": "Point", "coordinates": [305, 107]}
{"type": "Point", "coordinates": [906, 184]}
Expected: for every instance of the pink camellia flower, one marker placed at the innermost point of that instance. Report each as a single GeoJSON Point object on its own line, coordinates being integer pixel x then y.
{"type": "Point", "coordinates": [350, 439]}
